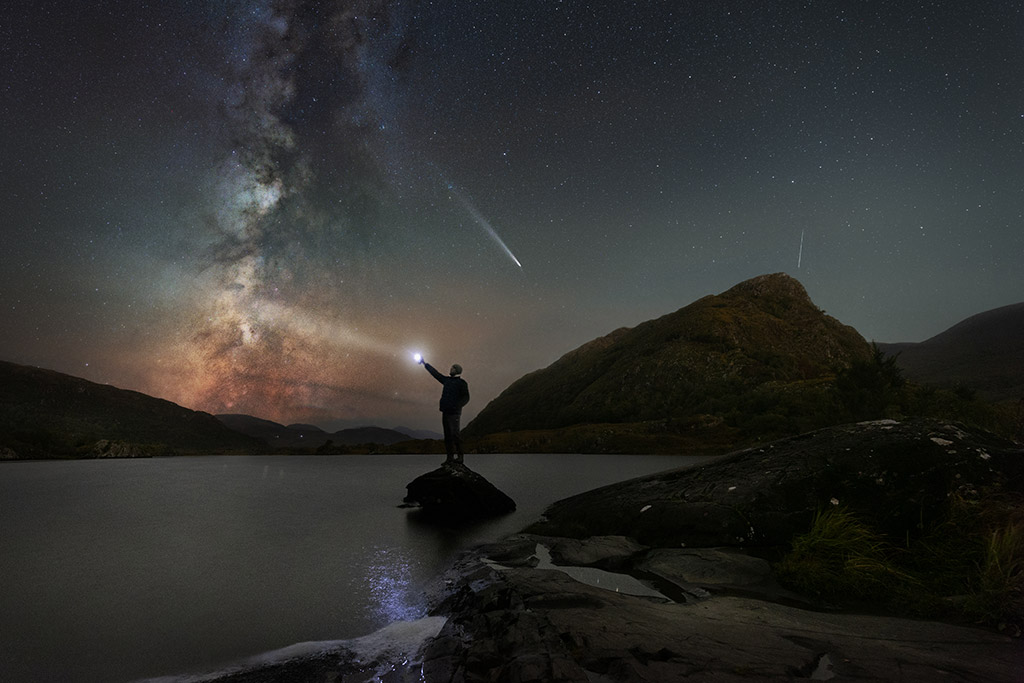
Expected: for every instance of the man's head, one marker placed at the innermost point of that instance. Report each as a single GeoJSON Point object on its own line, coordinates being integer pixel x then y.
{"type": "Point", "coordinates": [456, 370]}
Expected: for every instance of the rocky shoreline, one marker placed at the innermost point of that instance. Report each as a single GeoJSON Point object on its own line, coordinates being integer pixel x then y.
{"type": "Point", "coordinates": [510, 615]}
{"type": "Point", "coordinates": [720, 617]}
{"type": "Point", "coordinates": [659, 578]}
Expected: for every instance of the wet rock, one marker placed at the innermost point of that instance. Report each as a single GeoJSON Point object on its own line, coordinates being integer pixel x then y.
{"type": "Point", "coordinates": [453, 491]}
{"type": "Point", "coordinates": [896, 476]}
{"type": "Point", "coordinates": [493, 635]}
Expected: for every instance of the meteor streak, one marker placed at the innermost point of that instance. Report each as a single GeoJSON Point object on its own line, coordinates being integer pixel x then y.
{"type": "Point", "coordinates": [800, 255]}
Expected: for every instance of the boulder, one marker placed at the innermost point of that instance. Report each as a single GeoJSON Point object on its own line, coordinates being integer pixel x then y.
{"type": "Point", "coordinates": [896, 476]}
{"type": "Point", "coordinates": [453, 491]}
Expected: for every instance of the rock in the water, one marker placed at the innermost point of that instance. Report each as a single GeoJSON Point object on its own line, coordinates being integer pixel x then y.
{"type": "Point", "coordinates": [455, 491]}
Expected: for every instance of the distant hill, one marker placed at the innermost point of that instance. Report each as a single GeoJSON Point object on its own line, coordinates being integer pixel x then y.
{"type": "Point", "coordinates": [759, 352]}
{"type": "Point", "coordinates": [47, 414]}
{"type": "Point", "coordinates": [419, 433]}
{"type": "Point", "coordinates": [308, 436]}
{"type": "Point", "coordinates": [984, 352]}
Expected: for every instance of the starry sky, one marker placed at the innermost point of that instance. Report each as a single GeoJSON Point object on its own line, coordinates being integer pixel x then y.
{"type": "Point", "coordinates": [266, 207]}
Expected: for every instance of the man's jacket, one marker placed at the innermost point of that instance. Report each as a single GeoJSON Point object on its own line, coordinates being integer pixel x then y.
{"type": "Point", "coordinates": [455, 393]}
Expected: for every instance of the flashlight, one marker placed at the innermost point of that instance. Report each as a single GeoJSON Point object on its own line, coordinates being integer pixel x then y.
{"type": "Point", "coordinates": [417, 357]}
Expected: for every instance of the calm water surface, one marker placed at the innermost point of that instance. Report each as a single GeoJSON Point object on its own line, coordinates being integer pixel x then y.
{"type": "Point", "coordinates": [122, 569]}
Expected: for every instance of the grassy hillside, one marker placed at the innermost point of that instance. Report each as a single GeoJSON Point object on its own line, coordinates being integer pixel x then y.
{"type": "Point", "coordinates": [761, 352]}
{"type": "Point", "coordinates": [46, 414]}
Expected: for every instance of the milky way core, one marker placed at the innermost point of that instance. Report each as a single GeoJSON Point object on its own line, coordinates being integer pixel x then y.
{"type": "Point", "coordinates": [264, 318]}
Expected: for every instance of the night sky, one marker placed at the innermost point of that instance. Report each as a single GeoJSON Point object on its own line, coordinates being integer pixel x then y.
{"type": "Point", "coordinates": [266, 207]}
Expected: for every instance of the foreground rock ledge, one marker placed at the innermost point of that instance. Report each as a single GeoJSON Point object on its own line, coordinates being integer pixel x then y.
{"type": "Point", "coordinates": [453, 491]}
{"type": "Point", "coordinates": [509, 621]}
{"type": "Point", "coordinates": [513, 616]}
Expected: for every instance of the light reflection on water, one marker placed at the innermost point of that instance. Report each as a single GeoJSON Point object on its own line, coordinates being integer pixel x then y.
{"type": "Point", "coordinates": [389, 577]}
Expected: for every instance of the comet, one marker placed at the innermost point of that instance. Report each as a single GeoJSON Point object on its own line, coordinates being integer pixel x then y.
{"type": "Point", "coordinates": [482, 221]}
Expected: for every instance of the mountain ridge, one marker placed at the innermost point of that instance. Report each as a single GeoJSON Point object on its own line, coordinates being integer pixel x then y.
{"type": "Point", "coordinates": [763, 331]}
{"type": "Point", "coordinates": [308, 436]}
{"type": "Point", "coordinates": [757, 361]}
{"type": "Point", "coordinates": [984, 352]}
{"type": "Point", "coordinates": [48, 414]}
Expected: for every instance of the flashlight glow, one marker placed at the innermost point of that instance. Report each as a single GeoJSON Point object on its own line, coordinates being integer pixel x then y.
{"type": "Point", "coordinates": [417, 357]}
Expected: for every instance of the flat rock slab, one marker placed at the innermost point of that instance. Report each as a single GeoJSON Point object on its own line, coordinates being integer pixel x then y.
{"type": "Point", "coordinates": [704, 571]}
{"type": "Point", "coordinates": [525, 624]}
{"type": "Point", "coordinates": [593, 552]}
{"type": "Point", "coordinates": [520, 550]}
{"type": "Point", "coordinates": [708, 567]}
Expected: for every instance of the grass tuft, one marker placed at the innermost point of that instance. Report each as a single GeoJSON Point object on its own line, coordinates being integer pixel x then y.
{"type": "Point", "coordinates": [999, 594]}
{"type": "Point", "coordinates": [840, 559]}
{"type": "Point", "coordinates": [969, 567]}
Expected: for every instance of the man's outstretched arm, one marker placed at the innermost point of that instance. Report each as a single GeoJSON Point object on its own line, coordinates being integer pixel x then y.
{"type": "Point", "coordinates": [437, 375]}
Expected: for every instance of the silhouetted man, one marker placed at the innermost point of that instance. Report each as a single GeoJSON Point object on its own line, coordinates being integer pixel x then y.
{"type": "Point", "coordinates": [454, 395]}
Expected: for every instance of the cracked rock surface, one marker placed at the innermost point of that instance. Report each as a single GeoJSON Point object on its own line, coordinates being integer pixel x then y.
{"type": "Point", "coordinates": [514, 622]}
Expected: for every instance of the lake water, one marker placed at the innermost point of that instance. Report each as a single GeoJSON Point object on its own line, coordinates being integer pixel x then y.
{"type": "Point", "coordinates": [124, 569]}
